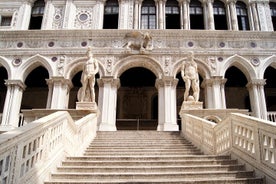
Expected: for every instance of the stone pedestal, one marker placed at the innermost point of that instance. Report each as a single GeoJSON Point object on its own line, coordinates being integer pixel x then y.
{"type": "Point", "coordinates": [191, 105]}
{"type": "Point", "coordinates": [86, 106]}
{"type": "Point", "coordinates": [188, 106]}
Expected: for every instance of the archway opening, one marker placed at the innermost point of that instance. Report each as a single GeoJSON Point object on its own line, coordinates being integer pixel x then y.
{"type": "Point", "coordinates": [76, 81]}
{"type": "Point", "coordinates": [236, 93]}
{"type": "Point", "coordinates": [3, 87]}
{"type": "Point", "coordinates": [270, 88]}
{"type": "Point", "coordinates": [137, 103]}
{"type": "Point", "coordinates": [36, 92]}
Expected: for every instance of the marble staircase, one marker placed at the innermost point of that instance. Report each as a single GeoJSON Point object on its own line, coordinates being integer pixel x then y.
{"type": "Point", "coordinates": [149, 157]}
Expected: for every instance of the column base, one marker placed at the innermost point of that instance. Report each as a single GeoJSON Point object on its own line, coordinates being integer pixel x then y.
{"type": "Point", "coordinates": [168, 127]}
{"type": "Point", "coordinates": [107, 127]}
{"type": "Point", "coordinates": [87, 106]}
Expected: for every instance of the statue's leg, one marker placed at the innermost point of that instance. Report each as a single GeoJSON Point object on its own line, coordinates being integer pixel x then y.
{"type": "Point", "coordinates": [84, 86]}
{"type": "Point", "coordinates": [187, 89]}
{"type": "Point", "coordinates": [92, 90]}
{"type": "Point", "coordinates": [195, 87]}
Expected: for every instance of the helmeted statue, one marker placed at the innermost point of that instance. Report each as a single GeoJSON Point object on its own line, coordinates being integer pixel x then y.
{"type": "Point", "coordinates": [190, 76]}
{"type": "Point", "coordinates": [91, 68]}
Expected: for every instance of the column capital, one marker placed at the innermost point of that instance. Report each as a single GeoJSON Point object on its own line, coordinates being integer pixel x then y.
{"type": "Point", "coordinates": [207, 1]}
{"type": "Point", "coordinates": [18, 83]}
{"type": "Point", "coordinates": [59, 79]}
{"type": "Point", "coordinates": [105, 80]}
{"type": "Point", "coordinates": [256, 82]}
{"type": "Point", "coordinates": [183, 1]}
{"type": "Point", "coordinates": [30, 2]}
{"type": "Point", "coordinates": [166, 81]}
{"type": "Point", "coordinates": [231, 1]}
{"type": "Point", "coordinates": [258, 1]}
{"type": "Point", "coordinates": [214, 80]}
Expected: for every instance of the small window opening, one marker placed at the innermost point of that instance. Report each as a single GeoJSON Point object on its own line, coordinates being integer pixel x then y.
{"type": "Point", "coordinates": [242, 16]}
{"type": "Point", "coordinates": [172, 15]}
{"type": "Point", "coordinates": [196, 15]}
{"type": "Point", "coordinates": [37, 14]}
{"type": "Point", "coordinates": [6, 20]}
{"type": "Point", "coordinates": [148, 15]}
{"type": "Point", "coordinates": [111, 15]}
{"type": "Point", "coordinates": [219, 16]}
{"type": "Point", "coordinates": [273, 14]}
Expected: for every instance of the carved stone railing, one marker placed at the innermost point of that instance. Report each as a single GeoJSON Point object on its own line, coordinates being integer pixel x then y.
{"type": "Point", "coordinates": [29, 153]}
{"type": "Point", "coordinates": [251, 140]}
{"type": "Point", "coordinates": [271, 116]}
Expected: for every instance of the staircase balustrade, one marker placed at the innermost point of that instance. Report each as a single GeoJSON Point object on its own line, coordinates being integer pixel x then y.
{"type": "Point", "coordinates": [29, 153]}
{"type": "Point", "coordinates": [271, 116]}
{"type": "Point", "coordinates": [249, 139]}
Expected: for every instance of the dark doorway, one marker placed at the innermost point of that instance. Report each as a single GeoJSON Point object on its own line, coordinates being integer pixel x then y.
{"type": "Point", "coordinates": [236, 93]}
{"type": "Point", "coordinates": [270, 88]}
{"type": "Point", "coordinates": [137, 100]}
{"type": "Point", "coordinates": [36, 92]}
{"type": "Point", "coordinates": [3, 87]}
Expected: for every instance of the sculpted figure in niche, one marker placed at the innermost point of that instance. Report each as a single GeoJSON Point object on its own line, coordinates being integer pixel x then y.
{"type": "Point", "coordinates": [189, 74]}
{"type": "Point", "coordinates": [90, 69]}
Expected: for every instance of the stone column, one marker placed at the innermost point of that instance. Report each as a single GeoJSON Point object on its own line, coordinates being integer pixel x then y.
{"type": "Point", "coordinates": [124, 18]}
{"type": "Point", "coordinates": [107, 103]}
{"type": "Point", "coordinates": [264, 16]}
{"type": "Point", "coordinates": [233, 14]}
{"type": "Point", "coordinates": [210, 14]}
{"type": "Point", "coordinates": [59, 88]}
{"type": "Point", "coordinates": [207, 86]}
{"type": "Point", "coordinates": [137, 10]}
{"type": "Point", "coordinates": [160, 13]}
{"type": "Point", "coordinates": [12, 105]}
{"type": "Point", "coordinates": [167, 115]}
{"type": "Point", "coordinates": [257, 98]}
{"type": "Point", "coordinates": [254, 16]}
{"type": "Point", "coordinates": [215, 92]}
{"type": "Point", "coordinates": [24, 15]}
{"type": "Point", "coordinates": [48, 15]}
{"type": "Point", "coordinates": [69, 15]}
{"type": "Point", "coordinates": [184, 14]}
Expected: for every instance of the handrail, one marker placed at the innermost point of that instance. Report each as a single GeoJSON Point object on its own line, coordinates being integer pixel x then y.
{"type": "Point", "coordinates": [249, 139]}
{"type": "Point", "coordinates": [29, 153]}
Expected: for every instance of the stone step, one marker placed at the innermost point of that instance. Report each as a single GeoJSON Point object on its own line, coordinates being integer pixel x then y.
{"type": "Point", "coordinates": [135, 149]}
{"type": "Point", "coordinates": [153, 175]}
{"type": "Point", "coordinates": [148, 169]}
{"type": "Point", "coordinates": [149, 157]}
{"type": "Point", "coordinates": [152, 158]}
{"type": "Point", "coordinates": [207, 180]}
{"type": "Point", "coordinates": [142, 153]}
{"type": "Point", "coordinates": [153, 145]}
{"type": "Point", "coordinates": [100, 163]}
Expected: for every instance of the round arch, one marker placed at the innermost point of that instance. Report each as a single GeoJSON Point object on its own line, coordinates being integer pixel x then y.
{"type": "Point", "coordinates": [203, 68]}
{"type": "Point", "coordinates": [242, 64]}
{"type": "Point", "coordinates": [5, 64]}
{"type": "Point", "coordinates": [32, 63]}
{"type": "Point", "coordinates": [77, 65]}
{"type": "Point", "coordinates": [138, 61]}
